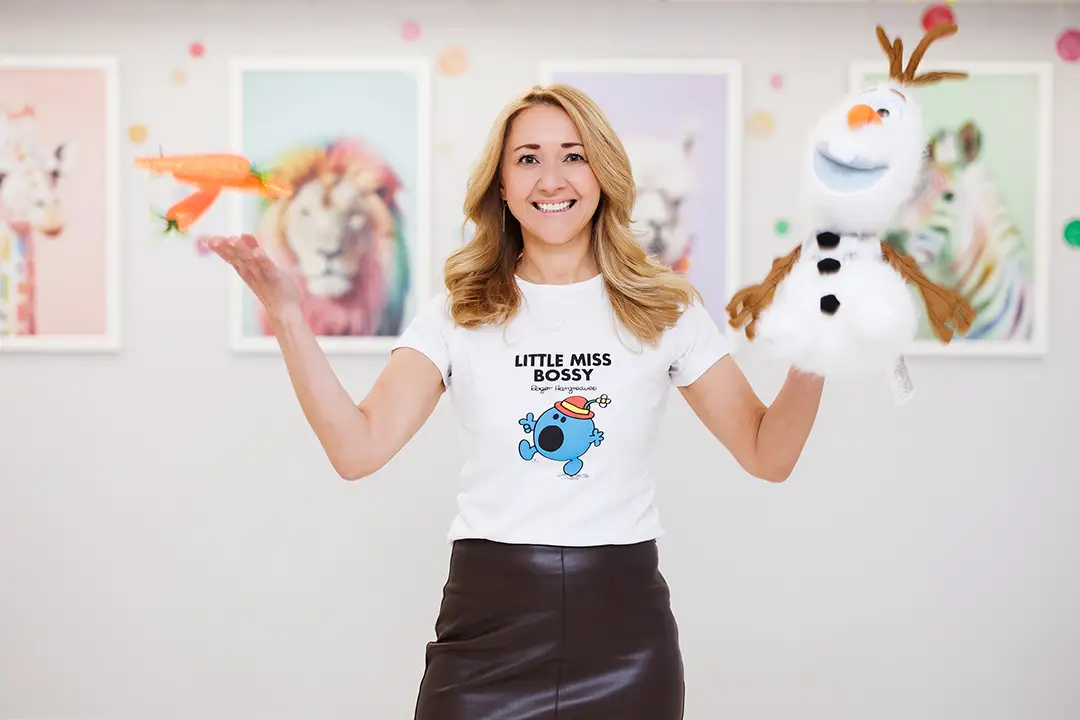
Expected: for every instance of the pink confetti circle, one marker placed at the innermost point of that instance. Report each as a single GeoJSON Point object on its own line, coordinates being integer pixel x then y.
{"type": "Point", "coordinates": [937, 15]}
{"type": "Point", "coordinates": [200, 246]}
{"type": "Point", "coordinates": [196, 49]}
{"type": "Point", "coordinates": [410, 30]}
{"type": "Point", "coordinates": [776, 81]}
{"type": "Point", "coordinates": [1068, 45]}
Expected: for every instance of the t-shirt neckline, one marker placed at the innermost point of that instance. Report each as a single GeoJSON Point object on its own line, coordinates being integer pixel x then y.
{"type": "Point", "coordinates": [580, 285]}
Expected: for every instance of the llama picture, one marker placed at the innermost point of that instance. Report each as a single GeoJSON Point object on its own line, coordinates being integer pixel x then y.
{"type": "Point", "coordinates": [680, 123]}
{"type": "Point", "coordinates": [977, 221]}
{"type": "Point", "coordinates": [58, 243]}
{"type": "Point", "coordinates": [354, 234]}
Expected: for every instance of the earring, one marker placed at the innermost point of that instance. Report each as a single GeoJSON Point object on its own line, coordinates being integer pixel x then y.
{"type": "Point", "coordinates": [504, 217]}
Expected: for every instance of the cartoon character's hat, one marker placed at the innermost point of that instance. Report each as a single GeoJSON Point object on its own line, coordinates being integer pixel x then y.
{"type": "Point", "coordinates": [577, 406]}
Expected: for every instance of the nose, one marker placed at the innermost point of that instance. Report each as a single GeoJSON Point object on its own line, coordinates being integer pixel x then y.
{"type": "Point", "coordinates": [861, 115]}
{"type": "Point", "coordinates": [551, 180]}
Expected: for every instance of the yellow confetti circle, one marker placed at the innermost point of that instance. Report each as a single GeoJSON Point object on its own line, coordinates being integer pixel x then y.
{"type": "Point", "coordinates": [137, 133]}
{"type": "Point", "coordinates": [453, 61]}
{"type": "Point", "coordinates": [760, 124]}
{"type": "Point", "coordinates": [178, 76]}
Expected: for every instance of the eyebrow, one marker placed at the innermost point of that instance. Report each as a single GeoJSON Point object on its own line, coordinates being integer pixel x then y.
{"type": "Point", "coordinates": [534, 146]}
{"type": "Point", "coordinates": [898, 93]}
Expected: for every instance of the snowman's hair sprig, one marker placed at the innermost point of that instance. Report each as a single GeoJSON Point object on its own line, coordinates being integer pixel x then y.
{"type": "Point", "coordinates": [907, 76]}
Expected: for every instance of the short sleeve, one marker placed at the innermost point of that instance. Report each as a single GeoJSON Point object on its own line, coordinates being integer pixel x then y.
{"type": "Point", "coordinates": [698, 344]}
{"type": "Point", "coordinates": [429, 332]}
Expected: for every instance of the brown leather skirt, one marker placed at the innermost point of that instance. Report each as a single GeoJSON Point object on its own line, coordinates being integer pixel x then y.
{"type": "Point", "coordinates": [528, 632]}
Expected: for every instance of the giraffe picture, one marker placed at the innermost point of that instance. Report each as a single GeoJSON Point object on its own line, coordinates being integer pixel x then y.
{"type": "Point", "coordinates": [58, 232]}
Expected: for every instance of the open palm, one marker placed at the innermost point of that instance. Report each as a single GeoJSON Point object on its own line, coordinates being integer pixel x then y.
{"type": "Point", "coordinates": [274, 288]}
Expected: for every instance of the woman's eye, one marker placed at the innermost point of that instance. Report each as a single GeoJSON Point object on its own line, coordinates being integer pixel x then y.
{"type": "Point", "coordinates": [574, 157]}
{"type": "Point", "coordinates": [527, 159]}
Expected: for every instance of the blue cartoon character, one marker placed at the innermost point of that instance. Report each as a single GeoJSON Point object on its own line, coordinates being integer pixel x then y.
{"type": "Point", "coordinates": [564, 432]}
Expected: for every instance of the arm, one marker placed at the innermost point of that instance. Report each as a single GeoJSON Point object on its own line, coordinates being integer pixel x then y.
{"type": "Point", "coordinates": [765, 440]}
{"type": "Point", "coordinates": [358, 439]}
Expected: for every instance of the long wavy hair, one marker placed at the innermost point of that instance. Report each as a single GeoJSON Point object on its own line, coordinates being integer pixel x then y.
{"type": "Point", "coordinates": [646, 295]}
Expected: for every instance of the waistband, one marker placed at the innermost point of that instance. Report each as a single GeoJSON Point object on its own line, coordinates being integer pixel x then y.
{"type": "Point", "coordinates": [491, 556]}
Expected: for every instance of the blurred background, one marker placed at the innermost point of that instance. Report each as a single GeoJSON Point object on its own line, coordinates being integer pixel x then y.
{"type": "Point", "coordinates": [173, 542]}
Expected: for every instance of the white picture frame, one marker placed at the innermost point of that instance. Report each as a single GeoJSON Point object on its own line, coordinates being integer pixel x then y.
{"type": "Point", "coordinates": [629, 116]}
{"type": "Point", "coordinates": [376, 131]}
{"type": "Point", "coordinates": [1036, 103]}
{"type": "Point", "coordinates": [91, 140]}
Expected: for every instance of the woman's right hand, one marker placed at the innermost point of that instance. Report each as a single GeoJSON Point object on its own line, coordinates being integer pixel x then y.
{"type": "Point", "coordinates": [277, 291]}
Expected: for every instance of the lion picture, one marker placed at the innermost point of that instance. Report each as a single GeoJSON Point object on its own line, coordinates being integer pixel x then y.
{"type": "Point", "coordinates": [341, 236]}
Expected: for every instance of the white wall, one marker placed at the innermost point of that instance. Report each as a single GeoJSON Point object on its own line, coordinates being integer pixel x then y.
{"type": "Point", "coordinates": [173, 543]}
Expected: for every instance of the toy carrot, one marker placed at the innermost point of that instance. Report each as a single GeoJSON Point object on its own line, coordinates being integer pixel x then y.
{"type": "Point", "coordinates": [181, 216]}
{"type": "Point", "coordinates": [264, 184]}
{"type": "Point", "coordinates": [210, 168]}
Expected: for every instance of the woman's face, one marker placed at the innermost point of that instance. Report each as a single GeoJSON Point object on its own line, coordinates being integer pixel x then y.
{"type": "Point", "coordinates": [546, 182]}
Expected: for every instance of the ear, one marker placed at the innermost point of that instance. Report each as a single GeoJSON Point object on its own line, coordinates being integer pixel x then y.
{"type": "Point", "coordinates": [970, 138]}
{"type": "Point", "coordinates": [689, 138]}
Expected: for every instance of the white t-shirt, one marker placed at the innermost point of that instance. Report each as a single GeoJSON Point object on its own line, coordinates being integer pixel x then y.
{"type": "Point", "coordinates": [559, 413]}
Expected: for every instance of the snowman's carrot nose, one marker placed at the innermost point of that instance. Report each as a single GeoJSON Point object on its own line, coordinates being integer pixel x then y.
{"type": "Point", "coordinates": [861, 115]}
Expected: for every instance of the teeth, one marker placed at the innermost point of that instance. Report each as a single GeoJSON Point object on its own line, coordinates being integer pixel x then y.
{"type": "Point", "coordinates": [553, 207]}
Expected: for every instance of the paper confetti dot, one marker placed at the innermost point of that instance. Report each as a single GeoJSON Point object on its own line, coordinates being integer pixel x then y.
{"type": "Point", "coordinates": [178, 76]}
{"type": "Point", "coordinates": [1072, 233]}
{"type": "Point", "coordinates": [410, 30]}
{"type": "Point", "coordinates": [1068, 45]}
{"type": "Point", "coordinates": [760, 124]}
{"type": "Point", "coordinates": [782, 227]}
{"type": "Point", "coordinates": [453, 61]}
{"type": "Point", "coordinates": [197, 49]}
{"type": "Point", "coordinates": [937, 15]}
{"type": "Point", "coordinates": [776, 81]}
{"type": "Point", "coordinates": [137, 133]}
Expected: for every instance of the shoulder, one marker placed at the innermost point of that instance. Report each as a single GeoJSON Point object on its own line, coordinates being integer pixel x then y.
{"type": "Point", "coordinates": [694, 343]}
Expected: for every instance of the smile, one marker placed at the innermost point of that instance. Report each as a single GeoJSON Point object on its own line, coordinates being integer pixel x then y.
{"type": "Point", "coordinates": [554, 207]}
{"type": "Point", "coordinates": [846, 176]}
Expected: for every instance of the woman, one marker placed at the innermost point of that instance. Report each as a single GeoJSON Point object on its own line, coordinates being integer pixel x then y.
{"type": "Point", "coordinates": [558, 339]}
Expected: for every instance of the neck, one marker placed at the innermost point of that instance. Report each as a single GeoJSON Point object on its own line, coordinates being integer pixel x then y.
{"type": "Point", "coordinates": [542, 263]}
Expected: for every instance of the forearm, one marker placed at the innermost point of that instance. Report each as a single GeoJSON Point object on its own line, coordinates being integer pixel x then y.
{"type": "Point", "coordinates": [340, 426]}
{"type": "Point", "coordinates": [785, 425]}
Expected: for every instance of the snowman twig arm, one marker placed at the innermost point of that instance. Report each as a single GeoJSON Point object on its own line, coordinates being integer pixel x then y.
{"type": "Point", "coordinates": [749, 302]}
{"type": "Point", "coordinates": [947, 310]}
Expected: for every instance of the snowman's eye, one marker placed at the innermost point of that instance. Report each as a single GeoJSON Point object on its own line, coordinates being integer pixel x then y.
{"type": "Point", "coordinates": [883, 112]}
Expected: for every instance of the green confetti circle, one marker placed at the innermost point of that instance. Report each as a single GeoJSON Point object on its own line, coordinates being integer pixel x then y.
{"type": "Point", "coordinates": [1072, 233]}
{"type": "Point", "coordinates": [782, 227]}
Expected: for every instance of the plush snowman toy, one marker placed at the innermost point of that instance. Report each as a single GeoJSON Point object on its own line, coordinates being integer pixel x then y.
{"type": "Point", "coordinates": [841, 300]}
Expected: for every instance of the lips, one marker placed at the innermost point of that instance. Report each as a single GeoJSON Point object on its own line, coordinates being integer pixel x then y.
{"type": "Point", "coordinates": [552, 208]}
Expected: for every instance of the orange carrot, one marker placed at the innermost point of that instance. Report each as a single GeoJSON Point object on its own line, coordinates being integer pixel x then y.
{"type": "Point", "coordinates": [252, 182]}
{"type": "Point", "coordinates": [209, 168]}
{"type": "Point", "coordinates": [183, 214]}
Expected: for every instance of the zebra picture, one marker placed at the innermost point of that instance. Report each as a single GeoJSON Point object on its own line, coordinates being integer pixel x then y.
{"type": "Point", "coordinates": [978, 219]}
{"type": "Point", "coordinates": [960, 231]}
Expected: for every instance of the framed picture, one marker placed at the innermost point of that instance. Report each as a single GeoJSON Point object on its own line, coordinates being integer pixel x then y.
{"type": "Point", "coordinates": [59, 233]}
{"type": "Point", "coordinates": [681, 124]}
{"type": "Point", "coordinates": [979, 219]}
{"type": "Point", "coordinates": [353, 137]}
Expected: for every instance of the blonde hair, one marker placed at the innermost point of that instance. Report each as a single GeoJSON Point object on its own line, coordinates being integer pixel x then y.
{"type": "Point", "coordinates": [646, 295]}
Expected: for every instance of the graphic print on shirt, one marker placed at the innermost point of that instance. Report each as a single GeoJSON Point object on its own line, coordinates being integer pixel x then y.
{"type": "Point", "coordinates": [565, 428]}
{"type": "Point", "coordinates": [563, 432]}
